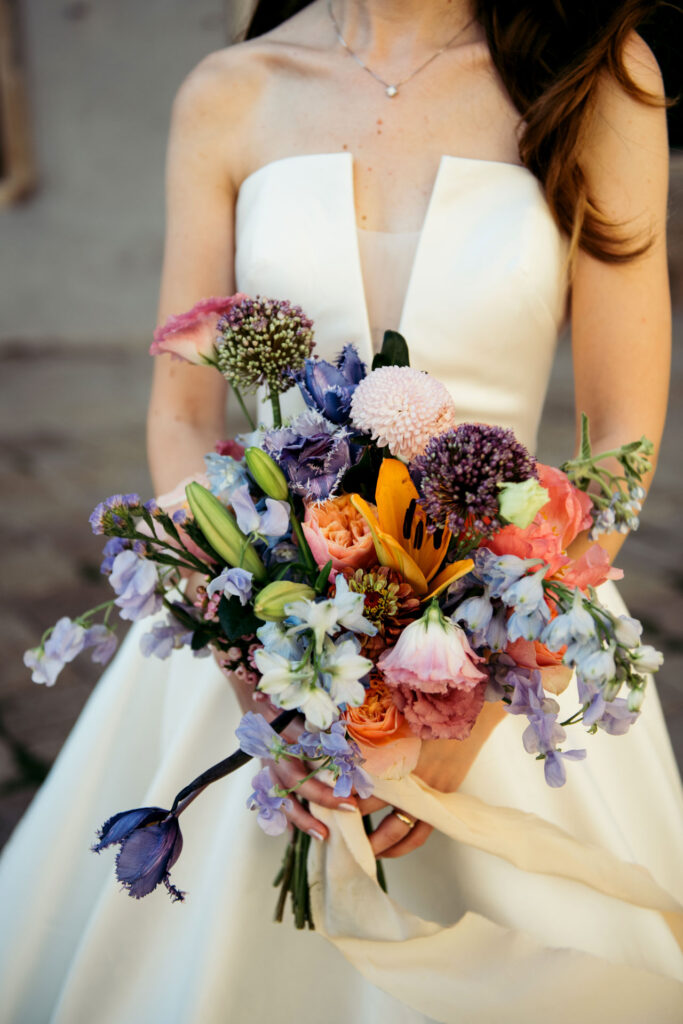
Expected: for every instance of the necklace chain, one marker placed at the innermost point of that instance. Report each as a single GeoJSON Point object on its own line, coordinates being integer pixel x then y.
{"type": "Point", "coordinates": [391, 89]}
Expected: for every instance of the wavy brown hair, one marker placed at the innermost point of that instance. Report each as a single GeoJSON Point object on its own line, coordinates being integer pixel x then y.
{"type": "Point", "coordinates": [551, 56]}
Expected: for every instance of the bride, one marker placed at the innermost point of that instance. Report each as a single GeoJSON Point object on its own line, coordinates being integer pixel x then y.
{"type": "Point", "coordinates": [367, 160]}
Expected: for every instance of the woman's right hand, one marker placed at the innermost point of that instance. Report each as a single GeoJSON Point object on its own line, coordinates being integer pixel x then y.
{"type": "Point", "coordinates": [287, 772]}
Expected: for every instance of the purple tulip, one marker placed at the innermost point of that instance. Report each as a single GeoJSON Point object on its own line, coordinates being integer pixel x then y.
{"type": "Point", "coordinates": [328, 388]}
{"type": "Point", "coordinates": [151, 842]}
{"type": "Point", "coordinates": [313, 454]}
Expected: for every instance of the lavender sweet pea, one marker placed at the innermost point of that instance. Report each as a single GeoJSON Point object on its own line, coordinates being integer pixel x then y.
{"type": "Point", "coordinates": [135, 580]}
{"type": "Point", "coordinates": [313, 454]}
{"type": "Point", "coordinates": [66, 641]}
{"type": "Point", "coordinates": [270, 806]}
{"type": "Point", "coordinates": [232, 582]}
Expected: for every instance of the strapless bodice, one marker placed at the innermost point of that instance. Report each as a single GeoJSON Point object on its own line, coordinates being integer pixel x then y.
{"type": "Point", "coordinates": [483, 293]}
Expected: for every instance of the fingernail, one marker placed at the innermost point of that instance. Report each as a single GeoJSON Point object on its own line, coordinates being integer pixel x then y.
{"type": "Point", "coordinates": [316, 835]}
{"type": "Point", "coordinates": [347, 807]}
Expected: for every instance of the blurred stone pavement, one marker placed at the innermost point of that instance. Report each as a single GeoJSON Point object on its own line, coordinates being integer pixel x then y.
{"type": "Point", "coordinates": [72, 428]}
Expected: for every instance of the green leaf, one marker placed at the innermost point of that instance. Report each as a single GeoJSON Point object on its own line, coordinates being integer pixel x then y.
{"type": "Point", "coordinates": [236, 619]}
{"type": "Point", "coordinates": [323, 576]}
{"type": "Point", "coordinates": [394, 351]}
{"type": "Point", "coordinates": [200, 638]}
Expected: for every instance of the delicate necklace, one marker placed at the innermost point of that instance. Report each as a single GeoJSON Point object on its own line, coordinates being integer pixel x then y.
{"type": "Point", "coordinates": [391, 90]}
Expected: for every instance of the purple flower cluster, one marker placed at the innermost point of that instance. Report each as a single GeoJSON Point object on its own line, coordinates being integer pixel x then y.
{"type": "Point", "coordinates": [112, 512]}
{"type": "Point", "coordinates": [271, 807]}
{"type": "Point", "coordinates": [65, 642]}
{"type": "Point", "coordinates": [459, 474]}
{"type": "Point", "coordinates": [328, 388]}
{"type": "Point", "coordinates": [544, 732]}
{"type": "Point", "coordinates": [345, 757]}
{"type": "Point", "coordinates": [313, 454]}
{"type": "Point", "coordinates": [135, 581]}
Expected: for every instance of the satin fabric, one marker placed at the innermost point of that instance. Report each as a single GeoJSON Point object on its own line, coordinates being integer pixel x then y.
{"type": "Point", "coordinates": [527, 901]}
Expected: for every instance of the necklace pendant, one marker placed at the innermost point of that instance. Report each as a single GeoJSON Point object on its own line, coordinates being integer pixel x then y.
{"type": "Point", "coordinates": [391, 91]}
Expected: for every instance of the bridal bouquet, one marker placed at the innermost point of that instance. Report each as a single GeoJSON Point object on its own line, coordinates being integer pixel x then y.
{"type": "Point", "coordinates": [371, 565]}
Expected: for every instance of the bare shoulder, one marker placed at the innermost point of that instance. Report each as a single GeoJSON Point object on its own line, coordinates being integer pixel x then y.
{"type": "Point", "coordinates": [231, 91]}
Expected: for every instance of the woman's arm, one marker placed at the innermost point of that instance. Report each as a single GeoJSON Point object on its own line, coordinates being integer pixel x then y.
{"type": "Point", "coordinates": [187, 405]}
{"type": "Point", "coordinates": [621, 313]}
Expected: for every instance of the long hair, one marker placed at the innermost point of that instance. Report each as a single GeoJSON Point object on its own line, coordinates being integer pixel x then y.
{"type": "Point", "coordinates": [551, 55]}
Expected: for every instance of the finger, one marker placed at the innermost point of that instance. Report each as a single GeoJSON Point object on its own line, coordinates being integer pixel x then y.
{"type": "Point", "coordinates": [370, 804]}
{"type": "Point", "coordinates": [391, 830]}
{"type": "Point", "coordinates": [299, 816]}
{"type": "Point", "coordinates": [418, 835]}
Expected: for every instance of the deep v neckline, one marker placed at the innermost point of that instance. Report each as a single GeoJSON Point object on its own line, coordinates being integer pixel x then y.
{"type": "Point", "coordinates": [341, 216]}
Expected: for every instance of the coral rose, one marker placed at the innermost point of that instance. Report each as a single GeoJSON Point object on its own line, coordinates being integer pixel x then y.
{"type": "Point", "coordinates": [591, 569]}
{"type": "Point", "coordinates": [533, 654]}
{"type": "Point", "coordinates": [389, 747]}
{"type": "Point", "coordinates": [336, 530]}
{"type": "Point", "coordinates": [191, 336]}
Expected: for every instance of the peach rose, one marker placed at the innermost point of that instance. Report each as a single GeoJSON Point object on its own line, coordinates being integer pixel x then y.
{"type": "Point", "coordinates": [387, 743]}
{"type": "Point", "coordinates": [534, 655]}
{"type": "Point", "coordinates": [336, 530]}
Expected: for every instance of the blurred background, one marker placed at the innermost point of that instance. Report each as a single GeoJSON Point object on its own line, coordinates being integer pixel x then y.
{"type": "Point", "coordinates": [85, 95]}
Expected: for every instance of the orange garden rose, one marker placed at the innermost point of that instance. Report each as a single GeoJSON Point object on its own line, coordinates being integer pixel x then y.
{"type": "Point", "coordinates": [387, 743]}
{"type": "Point", "coordinates": [336, 530]}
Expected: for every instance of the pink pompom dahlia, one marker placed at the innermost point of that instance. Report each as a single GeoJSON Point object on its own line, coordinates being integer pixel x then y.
{"type": "Point", "coordinates": [402, 409]}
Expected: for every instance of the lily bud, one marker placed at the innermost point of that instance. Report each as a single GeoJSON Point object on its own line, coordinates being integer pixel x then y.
{"type": "Point", "coordinates": [267, 473]}
{"type": "Point", "coordinates": [222, 532]}
{"type": "Point", "coordinates": [270, 603]}
{"type": "Point", "coordinates": [519, 502]}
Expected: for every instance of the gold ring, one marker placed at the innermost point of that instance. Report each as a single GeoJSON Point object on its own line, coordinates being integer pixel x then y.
{"type": "Point", "coordinates": [405, 819]}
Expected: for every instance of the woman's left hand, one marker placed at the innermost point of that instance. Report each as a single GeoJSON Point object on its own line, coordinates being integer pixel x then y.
{"type": "Point", "coordinates": [443, 765]}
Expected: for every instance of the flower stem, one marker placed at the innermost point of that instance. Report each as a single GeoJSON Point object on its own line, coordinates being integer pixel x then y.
{"type": "Point", "coordinates": [223, 768]}
{"type": "Point", "coordinates": [277, 412]}
{"type": "Point", "coordinates": [310, 561]}
{"type": "Point", "coordinates": [240, 399]}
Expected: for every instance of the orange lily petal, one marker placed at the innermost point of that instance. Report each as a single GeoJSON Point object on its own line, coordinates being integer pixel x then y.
{"type": "Point", "coordinates": [389, 551]}
{"type": "Point", "coordinates": [394, 494]}
{"type": "Point", "coordinates": [449, 575]}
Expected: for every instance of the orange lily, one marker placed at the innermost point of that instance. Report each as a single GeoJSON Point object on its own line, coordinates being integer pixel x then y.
{"type": "Point", "coordinates": [399, 532]}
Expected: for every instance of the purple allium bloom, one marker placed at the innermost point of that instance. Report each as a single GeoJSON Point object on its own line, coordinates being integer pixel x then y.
{"type": "Point", "coordinates": [459, 473]}
{"type": "Point", "coordinates": [134, 579]}
{"type": "Point", "coordinates": [313, 454]}
{"type": "Point", "coordinates": [263, 342]}
{"type": "Point", "coordinates": [328, 388]}
{"type": "Point", "coordinates": [258, 738]}
{"type": "Point", "coordinates": [113, 547]}
{"type": "Point", "coordinates": [233, 583]}
{"type": "Point", "coordinates": [271, 816]}
{"type": "Point", "coordinates": [102, 641]}
{"type": "Point", "coordinates": [164, 638]}
{"type": "Point", "coordinates": [151, 842]}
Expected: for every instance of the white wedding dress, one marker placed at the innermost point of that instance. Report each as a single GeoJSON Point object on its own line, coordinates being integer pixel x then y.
{"type": "Point", "coordinates": [500, 917]}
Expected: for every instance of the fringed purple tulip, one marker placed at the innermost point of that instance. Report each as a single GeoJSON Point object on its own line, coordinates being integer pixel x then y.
{"type": "Point", "coordinates": [151, 842]}
{"type": "Point", "coordinates": [328, 388]}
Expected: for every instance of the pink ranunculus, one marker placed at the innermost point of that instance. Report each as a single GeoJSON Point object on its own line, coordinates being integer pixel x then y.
{"type": "Point", "coordinates": [591, 569]}
{"type": "Point", "coordinates": [533, 654]}
{"type": "Point", "coordinates": [336, 530]}
{"type": "Point", "coordinates": [432, 655]}
{"type": "Point", "coordinates": [565, 515]}
{"type": "Point", "coordinates": [441, 716]}
{"type": "Point", "coordinates": [191, 336]}
{"type": "Point", "coordinates": [568, 511]}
